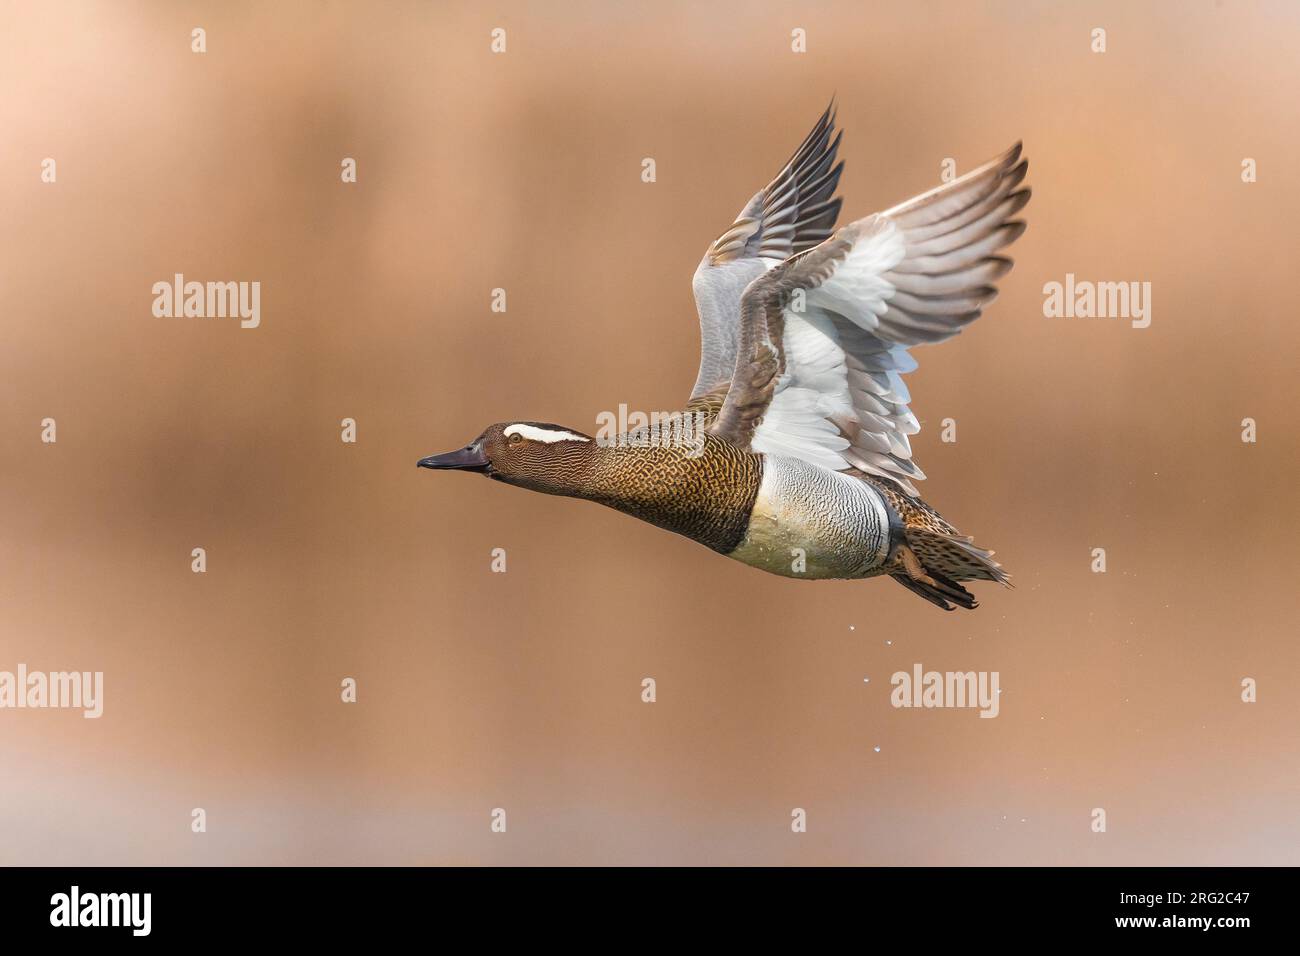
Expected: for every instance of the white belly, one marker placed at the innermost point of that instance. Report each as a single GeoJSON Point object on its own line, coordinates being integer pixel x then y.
{"type": "Point", "coordinates": [809, 522]}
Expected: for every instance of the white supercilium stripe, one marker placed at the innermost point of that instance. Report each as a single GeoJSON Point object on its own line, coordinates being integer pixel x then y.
{"type": "Point", "coordinates": [543, 434]}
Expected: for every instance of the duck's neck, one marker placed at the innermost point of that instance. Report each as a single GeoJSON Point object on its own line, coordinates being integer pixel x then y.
{"type": "Point", "coordinates": [705, 492]}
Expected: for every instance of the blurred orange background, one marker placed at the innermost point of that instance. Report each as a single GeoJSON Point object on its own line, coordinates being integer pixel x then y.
{"type": "Point", "coordinates": [522, 690]}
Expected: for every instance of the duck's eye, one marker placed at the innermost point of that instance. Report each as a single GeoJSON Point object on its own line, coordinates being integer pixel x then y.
{"type": "Point", "coordinates": [516, 439]}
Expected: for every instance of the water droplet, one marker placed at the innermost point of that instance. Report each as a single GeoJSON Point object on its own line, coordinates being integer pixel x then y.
{"type": "Point", "coordinates": [877, 750]}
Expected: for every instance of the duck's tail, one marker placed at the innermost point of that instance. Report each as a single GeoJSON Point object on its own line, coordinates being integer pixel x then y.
{"type": "Point", "coordinates": [934, 557]}
{"type": "Point", "coordinates": [955, 556]}
{"type": "Point", "coordinates": [932, 565]}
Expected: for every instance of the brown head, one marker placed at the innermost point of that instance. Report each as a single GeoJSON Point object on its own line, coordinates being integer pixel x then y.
{"type": "Point", "coordinates": [547, 458]}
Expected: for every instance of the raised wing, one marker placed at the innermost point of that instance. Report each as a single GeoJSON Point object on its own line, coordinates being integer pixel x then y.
{"type": "Point", "coordinates": [794, 212]}
{"type": "Point", "coordinates": [824, 336]}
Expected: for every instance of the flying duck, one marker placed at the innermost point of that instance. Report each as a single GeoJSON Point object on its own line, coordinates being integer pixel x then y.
{"type": "Point", "coordinates": [802, 466]}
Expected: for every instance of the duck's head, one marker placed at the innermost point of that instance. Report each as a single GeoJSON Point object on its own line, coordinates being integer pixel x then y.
{"type": "Point", "coordinates": [549, 458]}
